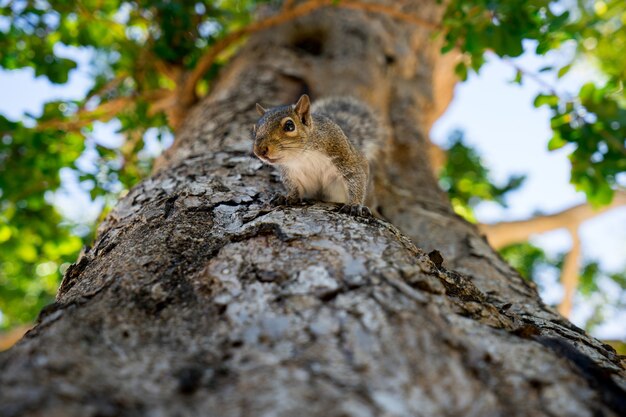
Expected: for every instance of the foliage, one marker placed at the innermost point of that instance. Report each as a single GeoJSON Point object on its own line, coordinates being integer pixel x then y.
{"type": "Point", "coordinates": [467, 180]}
{"type": "Point", "coordinates": [141, 53]}
{"type": "Point", "coordinates": [468, 183]}
{"type": "Point", "coordinates": [603, 292]}
{"type": "Point", "coordinates": [136, 49]}
{"type": "Point", "coordinates": [594, 120]}
{"type": "Point", "coordinates": [529, 260]}
{"type": "Point", "coordinates": [33, 240]}
{"type": "Point", "coordinates": [596, 125]}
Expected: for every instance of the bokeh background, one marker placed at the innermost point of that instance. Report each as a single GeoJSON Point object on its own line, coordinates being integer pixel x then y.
{"type": "Point", "coordinates": [536, 127]}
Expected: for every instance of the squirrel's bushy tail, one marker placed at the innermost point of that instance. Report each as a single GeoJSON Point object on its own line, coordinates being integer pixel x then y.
{"type": "Point", "coordinates": [358, 122]}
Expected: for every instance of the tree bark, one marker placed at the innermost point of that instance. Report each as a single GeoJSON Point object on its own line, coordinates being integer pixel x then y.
{"type": "Point", "coordinates": [197, 298]}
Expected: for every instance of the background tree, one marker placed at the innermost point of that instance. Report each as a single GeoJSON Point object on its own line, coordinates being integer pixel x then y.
{"type": "Point", "coordinates": [165, 77]}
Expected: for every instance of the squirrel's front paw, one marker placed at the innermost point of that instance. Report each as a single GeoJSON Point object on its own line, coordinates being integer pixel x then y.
{"type": "Point", "coordinates": [356, 210]}
{"type": "Point", "coordinates": [282, 200]}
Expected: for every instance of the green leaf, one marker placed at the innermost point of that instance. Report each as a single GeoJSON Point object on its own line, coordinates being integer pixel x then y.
{"type": "Point", "coordinates": [546, 99]}
{"type": "Point", "coordinates": [461, 71]}
{"type": "Point", "coordinates": [556, 142]}
{"type": "Point", "coordinates": [601, 195]}
{"type": "Point", "coordinates": [587, 91]}
{"type": "Point", "coordinates": [564, 70]}
{"type": "Point", "coordinates": [467, 180]}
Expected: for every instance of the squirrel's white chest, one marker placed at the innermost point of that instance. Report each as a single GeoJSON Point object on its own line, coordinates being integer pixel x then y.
{"type": "Point", "coordinates": [317, 177]}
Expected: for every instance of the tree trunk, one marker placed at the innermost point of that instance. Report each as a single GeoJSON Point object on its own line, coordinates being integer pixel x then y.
{"type": "Point", "coordinates": [197, 298]}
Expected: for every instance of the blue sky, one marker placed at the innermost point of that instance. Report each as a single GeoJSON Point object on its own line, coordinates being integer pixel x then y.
{"type": "Point", "coordinates": [497, 117]}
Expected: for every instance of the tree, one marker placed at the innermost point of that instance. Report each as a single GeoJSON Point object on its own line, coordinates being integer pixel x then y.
{"type": "Point", "coordinates": [157, 58]}
{"type": "Point", "coordinates": [198, 298]}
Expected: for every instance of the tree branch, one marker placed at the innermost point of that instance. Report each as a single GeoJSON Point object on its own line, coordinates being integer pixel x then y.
{"type": "Point", "coordinates": [566, 99]}
{"type": "Point", "coordinates": [570, 275]}
{"type": "Point", "coordinates": [391, 11]}
{"type": "Point", "coordinates": [287, 4]}
{"type": "Point", "coordinates": [536, 78]}
{"type": "Point", "coordinates": [505, 233]}
{"type": "Point", "coordinates": [176, 103]}
{"type": "Point", "coordinates": [104, 112]}
{"type": "Point", "coordinates": [109, 86]}
{"type": "Point", "coordinates": [160, 100]}
{"type": "Point", "coordinates": [187, 94]}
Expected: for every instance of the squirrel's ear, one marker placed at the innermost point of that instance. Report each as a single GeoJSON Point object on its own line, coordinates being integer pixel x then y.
{"type": "Point", "coordinates": [260, 109]}
{"type": "Point", "coordinates": [303, 109]}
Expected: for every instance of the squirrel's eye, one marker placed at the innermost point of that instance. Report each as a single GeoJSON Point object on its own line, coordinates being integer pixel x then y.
{"type": "Point", "coordinates": [289, 126]}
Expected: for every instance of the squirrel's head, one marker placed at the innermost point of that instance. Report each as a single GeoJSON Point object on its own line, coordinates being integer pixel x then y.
{"type": "Point", "coordinates": [282, 132]}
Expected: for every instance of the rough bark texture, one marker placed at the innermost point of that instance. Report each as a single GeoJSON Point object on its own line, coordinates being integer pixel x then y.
{"type": "Point", "coordinates": [199, 299]}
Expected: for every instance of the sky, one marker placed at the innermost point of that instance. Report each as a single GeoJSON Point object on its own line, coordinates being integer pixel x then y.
{"type": "Point", "coordinates": [498, 118]}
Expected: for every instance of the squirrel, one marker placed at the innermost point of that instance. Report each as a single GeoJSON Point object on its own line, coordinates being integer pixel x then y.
{"type": "Point", "coordinates": [320, 150]}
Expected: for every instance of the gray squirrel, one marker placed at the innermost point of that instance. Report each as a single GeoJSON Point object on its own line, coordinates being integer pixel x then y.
{"type": "Point", "coordinates": [320, 150]}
